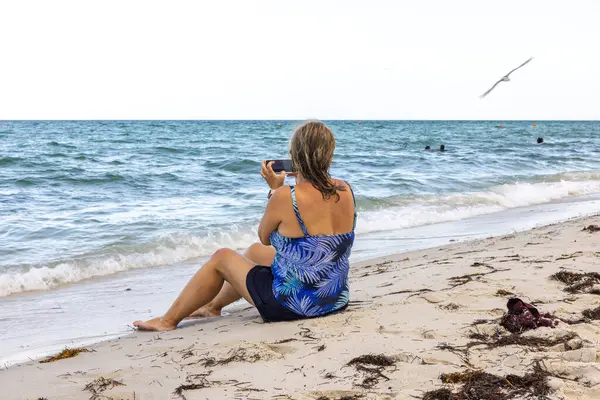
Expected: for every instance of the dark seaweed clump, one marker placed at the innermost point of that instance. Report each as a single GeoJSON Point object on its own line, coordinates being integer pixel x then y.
{"type": "Point", "coordinates": [66, 353]}
{"type": "Point", "coordinates": [481, 385]}
{"type": "Point", "coordinates": [578, 282]}
{"type": "Point", "coordinates": [592, 228]}
{"type": "Point", "coordinates": [237, 355]}
{"type": "Point", "coordinates": [592, 313]}
{"type": "Point", "coordinates": [99, 385]}
{"type": "Point", "coordinates": [518, 340]}
{"type": "Point", "coordinates": [372, 366]}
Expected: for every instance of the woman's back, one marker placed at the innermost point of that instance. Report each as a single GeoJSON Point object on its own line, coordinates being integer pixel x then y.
{"type": "Point", "coordinates": [320, 216]}
{"type": "Point", "coordinates": [313, 244]}
{"type": "Point", "coordinates": [311, 227]}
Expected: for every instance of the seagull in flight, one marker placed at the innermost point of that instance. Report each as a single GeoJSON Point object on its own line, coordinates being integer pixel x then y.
{"type": "Point", "coordinates": [505, 78]}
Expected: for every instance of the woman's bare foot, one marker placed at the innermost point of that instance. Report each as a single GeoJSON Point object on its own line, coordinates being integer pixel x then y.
{"type": "Point", "coordinates": [156, 324]}
{"type": "Point", "coordinates": [206, 312]}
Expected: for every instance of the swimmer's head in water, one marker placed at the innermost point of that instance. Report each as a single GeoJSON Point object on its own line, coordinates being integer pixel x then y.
{"type": "Point", "coordinates": [442, 148]}
{"type": "Point", "coordinates": [540, 140]}
{"type": "Point", "coordinates": [427, 148]}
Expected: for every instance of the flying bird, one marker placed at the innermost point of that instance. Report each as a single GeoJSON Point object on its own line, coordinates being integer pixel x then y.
{"type": "Point", "coordinates": [505, 78]}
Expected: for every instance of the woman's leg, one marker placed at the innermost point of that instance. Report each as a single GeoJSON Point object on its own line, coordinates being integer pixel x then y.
{"type": "Point", "coordinates": [260, 255]}
{"type": "Point", "coordinates": [224, 265]}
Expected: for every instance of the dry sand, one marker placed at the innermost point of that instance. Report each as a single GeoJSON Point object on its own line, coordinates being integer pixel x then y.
{"type": "Point", "coordinates": [407, 307]}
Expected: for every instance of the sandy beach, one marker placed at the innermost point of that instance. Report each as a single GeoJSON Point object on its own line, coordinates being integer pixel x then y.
{"type": "Point", "coordinates": [428, 312]}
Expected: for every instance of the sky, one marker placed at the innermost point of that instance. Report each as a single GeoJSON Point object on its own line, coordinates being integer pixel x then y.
{"type": "Point", "coordinates": [326, 59]}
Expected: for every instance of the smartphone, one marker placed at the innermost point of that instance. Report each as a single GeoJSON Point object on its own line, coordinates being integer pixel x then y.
{"type": "Point", "coordinates": [281, 165]}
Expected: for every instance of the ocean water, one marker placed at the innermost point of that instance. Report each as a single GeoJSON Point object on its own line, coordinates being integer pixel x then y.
{"type": "Point", "coordinates": [89, 209]}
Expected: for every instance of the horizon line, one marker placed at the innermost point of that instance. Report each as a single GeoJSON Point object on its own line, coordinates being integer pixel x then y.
{"type": "Point", "coordinates": [296, 120]}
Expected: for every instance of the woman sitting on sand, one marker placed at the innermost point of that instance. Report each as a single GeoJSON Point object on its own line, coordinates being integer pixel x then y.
{"type": "Point", "coordinates": [300, 268]}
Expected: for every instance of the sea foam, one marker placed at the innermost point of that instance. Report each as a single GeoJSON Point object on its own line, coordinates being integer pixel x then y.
{"type": "Point", "coordinates": [409, 212]}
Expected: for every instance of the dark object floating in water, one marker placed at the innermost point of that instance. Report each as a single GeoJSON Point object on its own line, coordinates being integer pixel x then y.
{"type": "Point", "coordinates": [128, 290]}
{"type": "Point", "coordinates": [540, 140]}
{"type": "Point", "coordinates": [522, 317]}
{"type": "Point", "coordinates": [442, 148]}
{"type": "Point", "coordinates": [592, 228]}
{"type": "Point", "coordinates": [427, 148]}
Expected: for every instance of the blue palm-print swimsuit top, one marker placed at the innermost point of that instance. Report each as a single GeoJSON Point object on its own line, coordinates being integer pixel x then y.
{"type": "Point", "coordinates": [310, 273]}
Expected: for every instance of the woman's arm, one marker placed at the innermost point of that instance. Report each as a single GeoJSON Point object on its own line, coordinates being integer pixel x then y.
{"type": "Point", "coordinates": [272, 217]}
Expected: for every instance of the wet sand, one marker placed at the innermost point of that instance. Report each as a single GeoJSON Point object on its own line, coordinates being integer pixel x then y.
{"type": "Point", "coordinates": [429, 312]}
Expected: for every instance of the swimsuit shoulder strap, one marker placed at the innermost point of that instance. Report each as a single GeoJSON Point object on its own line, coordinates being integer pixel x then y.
{"type": "Point", "coordinates": [354, 201]}
{"type": "Point", "coordinates": [295, 206]}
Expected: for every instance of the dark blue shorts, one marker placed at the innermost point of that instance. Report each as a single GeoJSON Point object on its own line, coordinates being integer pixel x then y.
{"type": "Point", "coordinates": [259, 282]}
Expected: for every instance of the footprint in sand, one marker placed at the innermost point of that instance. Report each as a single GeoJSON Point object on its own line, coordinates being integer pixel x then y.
{"type": "Point", "coordinates": [281, 349]}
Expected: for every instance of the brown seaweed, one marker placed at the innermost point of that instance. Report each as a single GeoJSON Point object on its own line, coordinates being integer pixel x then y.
{"type": "Point", "coordinates": [66, 353]}
{"type": "Point", "coordinates": [519, 340]}
{"type": "Point", "coordinates": [237, 355]}
{"type": "Point", "coordinates": [372, 365]}
{"type": "Point", "coordinates": [450, 307]}
{"type": "Point", "coordinates": [592, 313]}
{"type": "Point", "coordinates": [577, 282]}
{"type": "Point", "coordinates": [477, 384]}
{"type": "Point", "coordinates": [464, 279]}
{"type": "Point", "coordinates": [592, 228]}
{"type": "Point", "coordinates": [99, 385]}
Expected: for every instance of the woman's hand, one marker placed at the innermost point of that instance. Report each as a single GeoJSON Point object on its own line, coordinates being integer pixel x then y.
{"type": "Point", "coordinates": [274, 180]}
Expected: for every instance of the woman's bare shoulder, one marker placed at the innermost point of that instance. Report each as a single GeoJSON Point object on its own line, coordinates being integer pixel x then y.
{"type": "Point", "coordinates": [340, 182]}
{"type": "Point", "coordinates": [280, 195]}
